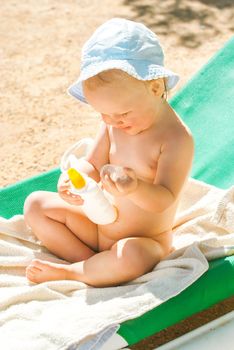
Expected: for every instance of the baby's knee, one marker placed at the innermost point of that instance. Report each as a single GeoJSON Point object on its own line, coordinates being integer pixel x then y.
{"type": "Point", "coordinates": [137, 257]}
{"type": "Point", "coordinates": [33, 205]}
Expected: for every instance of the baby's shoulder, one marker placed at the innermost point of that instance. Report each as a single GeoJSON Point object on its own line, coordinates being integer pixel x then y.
{"type": "Point", "coordinates": [177, 130]}
{"type": "Point", "coordinates": [180, 131]}
{"type": "Point", "coordinates": [177, 138]}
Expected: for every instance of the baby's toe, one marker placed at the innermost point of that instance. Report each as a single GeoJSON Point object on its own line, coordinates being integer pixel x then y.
{"type": "Point", "coordinates": [30, 275]}
{"type": "Point", "coordinates": [32, 272]}
{"type": "Point", "coordinates": [38, 264]}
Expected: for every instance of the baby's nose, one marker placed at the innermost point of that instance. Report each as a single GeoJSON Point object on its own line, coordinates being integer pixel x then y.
{"type": "Point", "coordinates": [117, 123]}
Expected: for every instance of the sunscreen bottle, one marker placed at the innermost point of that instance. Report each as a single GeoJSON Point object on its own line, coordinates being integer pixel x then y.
{"type": "Point", "coordinates": [96, 206]}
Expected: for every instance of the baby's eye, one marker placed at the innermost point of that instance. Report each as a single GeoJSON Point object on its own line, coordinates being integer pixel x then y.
{"type": "Point", "coordinates": [124, 114]}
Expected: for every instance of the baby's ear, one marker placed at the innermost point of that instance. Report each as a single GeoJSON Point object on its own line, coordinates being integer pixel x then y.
{"type": "Point", "coordinates": [157, 87]}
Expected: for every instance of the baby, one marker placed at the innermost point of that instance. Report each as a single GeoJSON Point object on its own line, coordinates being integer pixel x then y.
{"type": "Point", "coordinates": [123, 78]}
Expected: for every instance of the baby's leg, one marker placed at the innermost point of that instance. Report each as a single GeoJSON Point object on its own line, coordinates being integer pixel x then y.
{"type": "Point", "coordinates": [61, 227]}
{"type": "Point", "coordinates": [127, 259]}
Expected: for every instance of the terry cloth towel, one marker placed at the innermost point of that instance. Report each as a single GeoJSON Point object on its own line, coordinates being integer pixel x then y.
{"type": "Point", "coordinates": [69, 314]}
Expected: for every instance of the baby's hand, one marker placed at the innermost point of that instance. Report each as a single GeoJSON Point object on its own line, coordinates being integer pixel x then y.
{"type": "Point", "coordinates": [117, 180]}
{"type": "Point", "coordinates": [64, 191]}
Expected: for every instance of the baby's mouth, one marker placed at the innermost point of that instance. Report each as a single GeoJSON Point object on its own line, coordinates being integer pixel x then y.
{"type": "Point", "coordinates": [124, 127]}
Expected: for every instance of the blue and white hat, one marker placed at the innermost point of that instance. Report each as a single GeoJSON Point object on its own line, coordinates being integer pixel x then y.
{"type": "Point", "coordinates": [125, 45]}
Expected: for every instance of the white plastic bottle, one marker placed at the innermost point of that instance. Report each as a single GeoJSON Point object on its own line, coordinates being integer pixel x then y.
{"type": "Point", "coordinates": [96, 206]}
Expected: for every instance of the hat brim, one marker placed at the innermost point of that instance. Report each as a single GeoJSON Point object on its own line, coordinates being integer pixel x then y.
{"type": "Point", "coordinates": [136, 69]}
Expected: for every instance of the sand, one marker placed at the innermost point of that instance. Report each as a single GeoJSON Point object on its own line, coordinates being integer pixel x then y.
{"type": "Point", "coordinates": [40, 45]}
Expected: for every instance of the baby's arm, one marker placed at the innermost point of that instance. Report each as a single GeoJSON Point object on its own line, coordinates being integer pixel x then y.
{"type": "Point", "coordinates": [96, 158]}
{"type": "Point", "coordinates": [173, 169]}
{"type": "Point", "coordinates": [98, 155]}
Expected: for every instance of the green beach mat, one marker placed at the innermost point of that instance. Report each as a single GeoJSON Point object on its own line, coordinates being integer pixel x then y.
{"type": "Point", "coordinates": [205, 104]}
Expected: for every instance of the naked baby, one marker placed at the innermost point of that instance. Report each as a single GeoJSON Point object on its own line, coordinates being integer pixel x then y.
{"type": "Point", "coordinates": [123, 78]}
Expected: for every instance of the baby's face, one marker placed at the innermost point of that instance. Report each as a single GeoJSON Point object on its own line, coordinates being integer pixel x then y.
{"type": "Point", "coordinates": [124, 104]}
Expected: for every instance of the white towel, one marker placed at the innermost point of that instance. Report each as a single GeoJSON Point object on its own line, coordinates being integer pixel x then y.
{"type": "Point", "coordinates": [63, 314]}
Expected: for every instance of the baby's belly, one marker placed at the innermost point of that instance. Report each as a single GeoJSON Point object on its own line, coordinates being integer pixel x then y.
{"type": "Point", "coordinates": [133, 221]}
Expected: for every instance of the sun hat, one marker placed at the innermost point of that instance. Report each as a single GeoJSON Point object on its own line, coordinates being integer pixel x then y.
{"type": "Point", "coordinates": [126, 45]}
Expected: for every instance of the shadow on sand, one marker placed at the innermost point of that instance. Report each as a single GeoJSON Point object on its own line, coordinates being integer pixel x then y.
{"type": "Point", "coordinates": [174, 17]}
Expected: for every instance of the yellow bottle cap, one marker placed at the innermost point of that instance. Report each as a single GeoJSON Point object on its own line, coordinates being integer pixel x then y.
{"type": "Point", "coordinates": [76, 178]}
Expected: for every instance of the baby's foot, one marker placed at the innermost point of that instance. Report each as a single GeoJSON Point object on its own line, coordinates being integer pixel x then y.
{"type": "Point", "coordinates": [41, 271]}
